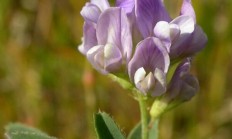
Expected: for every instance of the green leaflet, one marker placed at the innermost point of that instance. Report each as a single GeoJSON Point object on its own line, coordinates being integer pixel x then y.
{"type": "Point", "coordinates": [20, 131]}
{"type": "Point", "coordinates": [106, 127]}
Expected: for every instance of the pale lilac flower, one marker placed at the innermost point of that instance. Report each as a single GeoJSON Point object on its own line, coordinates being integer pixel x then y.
{"type": "Point", "coordinates": [148, 67]}
{"type": "Point", "coordinates": [183, 85]}
{"type": "Point", "coordinates": [181, 36]}
{"type": "Point", "coordinates": [91, 13]}
{"type": "Point", "coordinates": [177, 31]}
{"type": "Point", "coordinates": [114, 43]}
{"type": "Point", "coordinates": [159, 40]}
{"type": "Point", "coordinates": [107, 41]}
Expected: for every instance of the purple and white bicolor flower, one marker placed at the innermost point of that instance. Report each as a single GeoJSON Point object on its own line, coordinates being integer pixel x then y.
{"type": "Point", "coordinates": [159, 40]}
{"type": "Point", "coordinates": [148, 67]}
{"type": "Point", "coordinates": [91, 13]}
{"type": "Point", "coordinates": [114, 42]}
{"type": "Point", "coordinates": [183, 85]}
{"type": "Point", "coordinates": [181, 36]}
{"type": "Point", "coordinates": [107, 41]}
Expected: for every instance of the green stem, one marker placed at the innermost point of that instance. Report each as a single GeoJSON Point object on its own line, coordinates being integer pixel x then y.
{"type": "Point", "coordinates": [154, 127]}
{"type": "Point", "coordinates": [157, 129]}
{"type": "Point", "coordinates": [144, 116]}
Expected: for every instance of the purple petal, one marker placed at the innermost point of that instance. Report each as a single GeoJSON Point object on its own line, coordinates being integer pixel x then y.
{"type": "Point", "coordinates": [183, 86]}
{"type": "Point", "coordinates": [148, 13]}
{"type": "Point", "coordinates": [193, 44]}
{"type": "Point", "coordinates": [136, 34]}
{"type": "Point", "coordinates": [90, 12]}
{"type": "Point", "coordinates": [198, 42]}
{"type": "Point", "coordinates": [102, 4]}
{"type": "Point", "coordinates": [175, 83]}
{"type": "Point", "coordinates": [127, 5]}
{"type": "Point", "coordinates": [89, 39]}
{"type": "Point", "coordinates": [186, 25]}
{"type": "Point", "coordinates": [189, 87]}
{"type": "Point", "coordinates": [149, 54]}
{"type": "Point", "coordinates": [113, 27]}
{"type": "Point", "coordinates": [187, 9]}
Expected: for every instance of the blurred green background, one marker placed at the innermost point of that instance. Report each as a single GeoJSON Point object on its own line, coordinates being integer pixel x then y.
{"type": "Point", "coordinates": [46, 83]}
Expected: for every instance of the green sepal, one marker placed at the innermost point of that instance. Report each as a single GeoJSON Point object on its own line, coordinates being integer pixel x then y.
{"type": "Point", "coordinates": [161, 106]}
{"type": "Point", "coordinates": [106, 127]}
{"type": "Point", "coordinates": [20, 131]}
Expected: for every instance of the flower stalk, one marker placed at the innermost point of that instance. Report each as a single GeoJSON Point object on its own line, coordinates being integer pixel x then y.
{"type": "Point", "coordinates": [144, 116]}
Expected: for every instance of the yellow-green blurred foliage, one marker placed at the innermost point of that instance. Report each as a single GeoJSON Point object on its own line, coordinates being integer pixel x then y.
{"type": "Point", "coordinates": [45, 82]}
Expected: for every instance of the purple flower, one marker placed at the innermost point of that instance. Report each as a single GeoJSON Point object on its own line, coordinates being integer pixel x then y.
{"type": "Point", "coordinates": [114, 43]}
{"type": "Point", "coordinates": [110, 33]}
{"type": "Point", "coordinates": [178, 29]}
{"type": "Point", "coordinates": [107, 41]}
{"type": "Point", "coordinates": [181, 36]}
{"type": "Point", "coordinates": [148, 67]}
{"type": "Point", "coordinates": [183, 85]}
{"type": "Point", "coordinates": [91, 13]}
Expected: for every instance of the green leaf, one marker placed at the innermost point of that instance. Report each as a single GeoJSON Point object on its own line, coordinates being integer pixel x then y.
{"type": "Point", "coordinates": [106, 127]}
{"type": "Point", "coordinates": [20, 131]}
{"type": "Point", "coordinates": [135, 132]}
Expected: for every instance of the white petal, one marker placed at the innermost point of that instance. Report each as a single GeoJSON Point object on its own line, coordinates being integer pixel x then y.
{"type": "Point", "coordinates": [162, 30]}
{"type": "Point", "coordinates": [186, 23]}
{"type": "Point", "coordinates": [160, 76]}
{"type": "Point", "coordinates": [174, 31]}
{"type": "Point", "coordinates": [139, 75]}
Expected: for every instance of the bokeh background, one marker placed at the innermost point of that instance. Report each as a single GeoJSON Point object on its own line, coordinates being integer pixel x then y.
{"type": "Point", "coordinates": [46, 83]}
